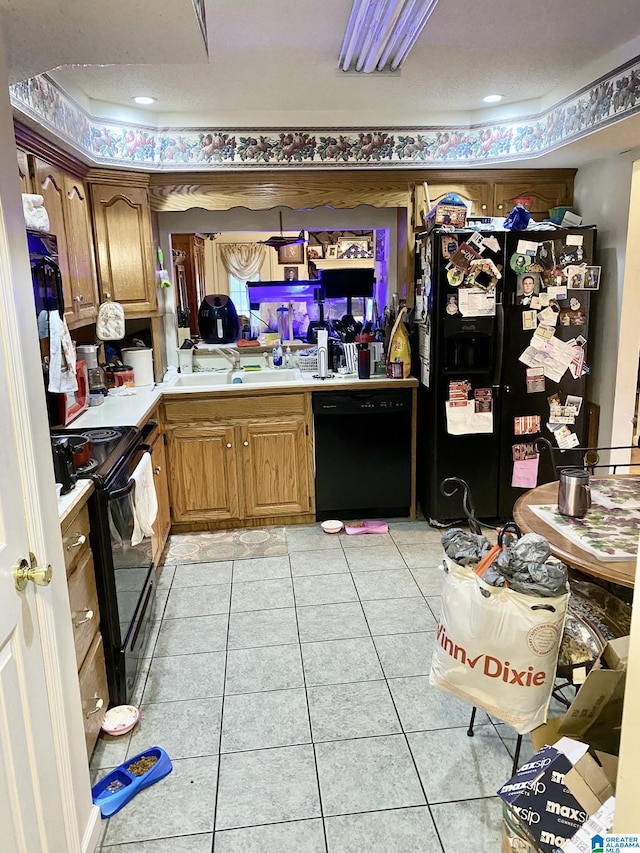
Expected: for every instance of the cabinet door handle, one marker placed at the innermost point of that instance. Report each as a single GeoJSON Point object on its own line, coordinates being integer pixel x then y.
{"type": "Point", "coordinates": [245, 443]}
{"type": "Point", "coordinates": [80, 540]}
{"type": "Point", "coordinates": [107, 295]}
{"type": "Point", "coordinates": [500, 206]}
{"type": "Point", "coordinates": [88, 616]}
{"type": "Point", "coordinates": [484, 207]}
{"type": "Point", "coordinates": [78, 298]}
{"type": "Point", "coordinates": [229, 444]}
{"type": "Point", "coordinates": [157, 470]}
{"type": "Point", "coordinates": [99, 704]}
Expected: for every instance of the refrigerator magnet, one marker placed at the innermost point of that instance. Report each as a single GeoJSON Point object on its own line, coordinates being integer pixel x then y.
{"type": "Point", "coordinates": [545, 255]}
{"type": "Point", "coordinates": [452, 304]}
{"type": "Point", "coordinates": [523, 451]}
{"type": "Point", "coordinates": [575, 276]}
{"type": "Point", "coordinates": [455, 277]}
{"type": "Point", "coordinates": [527, 286]}
{"type": "Point", "coordinates": [535, 380]}
{"type": "Point", "coordinates": [519, 263]}
{"type": "Point", "coordinates": [526, 425]}
{"type": "Point", "coordinates": [449, 244]}
{"type": "Point", "coordinates": [483, 273]}
{"type": "Point", "coordinates": [491, 243]}
{"type": "Point", "coordinates": [463, 256]}
{"type": "Point", "coordinates": [592, 278]}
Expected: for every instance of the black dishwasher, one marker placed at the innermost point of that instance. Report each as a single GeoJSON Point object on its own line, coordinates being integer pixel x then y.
{"type": "Point", "coordinates": [362, 453]}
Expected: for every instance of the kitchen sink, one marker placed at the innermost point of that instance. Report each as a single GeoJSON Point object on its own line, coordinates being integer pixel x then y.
{"type": "Point", "coordinates": [202, 380]}
{"type": "Point", "coordinates": [266, 376]}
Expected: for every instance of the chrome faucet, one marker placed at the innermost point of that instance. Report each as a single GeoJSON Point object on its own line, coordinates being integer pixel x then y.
{"type": "Point", "coordinates": [232, 356]}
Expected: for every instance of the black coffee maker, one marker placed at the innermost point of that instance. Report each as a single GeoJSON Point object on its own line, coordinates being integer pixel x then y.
{"type": "Point", "coordinates": [218, 320]}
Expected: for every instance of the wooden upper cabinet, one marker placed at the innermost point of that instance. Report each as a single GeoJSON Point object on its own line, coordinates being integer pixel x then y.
{"type": "Point", "coordinates": [479, 194]}
{"type": "Point", "coordinates": [23, 171]}
{"type": "Point", "coordinates": [543, 194]}
{"type": "Point", "coordinates": [124, 247]}
{"type": "Point", "coordinates": [50, 184]}
{"type": "Point", "coordinates": [81, 259]}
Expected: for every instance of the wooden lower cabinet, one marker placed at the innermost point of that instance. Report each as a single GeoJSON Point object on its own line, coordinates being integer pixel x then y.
{"type": "Point", "coordinates": [203, 478]}
{"type": "Point", "coordinates": [85, 620]}
{"type": "Point", "coordinates": [251, 468]}
{"type": "Point", "coordinates": [162, 523]}
{"type": "Point", "coordinates": [274, 467]}
{"type": "Point", "coordinates": [94, 692]}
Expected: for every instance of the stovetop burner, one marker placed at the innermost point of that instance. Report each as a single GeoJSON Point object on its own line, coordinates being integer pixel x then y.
{"type": "Point", "coordinates": [100, 435]}
{"type": "Point", "coordinates": [109, 446]}
{"type": "Point", "coordinates": [86, 470]}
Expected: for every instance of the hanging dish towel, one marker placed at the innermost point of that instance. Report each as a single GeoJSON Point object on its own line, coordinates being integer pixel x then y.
{"type": "Point", "coordinates": [145, 502]}
{"type": "Point", "coordinates": [62, 357]}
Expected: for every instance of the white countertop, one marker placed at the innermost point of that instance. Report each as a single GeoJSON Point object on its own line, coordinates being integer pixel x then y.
{"type": "Point", "coordinates": [134, 409]}
{"type": "Point", "coordinates": [131, 410]}
{"type": "Point", "coordinates": [78, 494]}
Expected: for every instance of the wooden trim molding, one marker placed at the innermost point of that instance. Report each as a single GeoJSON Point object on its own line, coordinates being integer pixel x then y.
{"type": "Point", "coordinates": [307, 188]}
{"type": "Point", "coordinates": [32, 143]}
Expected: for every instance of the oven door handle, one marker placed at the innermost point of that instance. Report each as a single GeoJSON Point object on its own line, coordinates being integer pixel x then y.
{"type": "Point", "coordinates": [125, 490]}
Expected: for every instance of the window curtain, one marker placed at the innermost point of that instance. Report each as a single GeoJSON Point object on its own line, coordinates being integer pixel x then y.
{"type": "Point", "coordinates": [242, 260]}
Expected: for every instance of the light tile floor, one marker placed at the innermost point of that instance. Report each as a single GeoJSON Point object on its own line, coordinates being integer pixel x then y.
{"type": "Point", "coordinates": [292, 694]}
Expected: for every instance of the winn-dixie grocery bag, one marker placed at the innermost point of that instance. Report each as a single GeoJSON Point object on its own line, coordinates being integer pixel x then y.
{"type": "Point", "coordinates": [497, 648]}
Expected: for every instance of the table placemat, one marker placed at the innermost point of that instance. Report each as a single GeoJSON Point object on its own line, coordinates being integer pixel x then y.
{"type": "Point", "coordinates": [614, 493]}
{"type": "Point", "coordinates": [607, 535]}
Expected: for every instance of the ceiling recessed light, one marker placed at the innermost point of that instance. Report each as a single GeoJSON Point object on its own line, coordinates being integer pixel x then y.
{"type": "Point", "coordinates": [144, 100]}
{"type": "Point", "coordinates": [493, 99]}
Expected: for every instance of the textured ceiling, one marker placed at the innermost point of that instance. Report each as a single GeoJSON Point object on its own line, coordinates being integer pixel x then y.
{"type": "Point", "coordinates": [274, 65]}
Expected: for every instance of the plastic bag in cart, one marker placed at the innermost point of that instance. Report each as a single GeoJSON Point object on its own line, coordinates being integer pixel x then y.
{"type": "Point", "coordinates": [497, 648]}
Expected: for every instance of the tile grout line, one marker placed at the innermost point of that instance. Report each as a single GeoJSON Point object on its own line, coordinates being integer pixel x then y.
{"type": "Point", "coordinates": [404, 734]}
{"type": "Point", "coordinates": [306, 696]}
{"type": "Point", "coordinates": [224, 683]}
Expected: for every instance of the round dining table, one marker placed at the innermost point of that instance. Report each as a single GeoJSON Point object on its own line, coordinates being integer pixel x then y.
{"type": "Point", "coordinates": [621, 572]}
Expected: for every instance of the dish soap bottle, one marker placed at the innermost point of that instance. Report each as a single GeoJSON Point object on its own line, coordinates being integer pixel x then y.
{"type": "Point", "coordinates": [288, 358]}
{"type": "Point", "coordinates": [277, 355]}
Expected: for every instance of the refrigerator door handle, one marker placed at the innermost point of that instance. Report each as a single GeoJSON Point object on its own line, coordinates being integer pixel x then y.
{"type": "Point", "coordinates": [497, 375]}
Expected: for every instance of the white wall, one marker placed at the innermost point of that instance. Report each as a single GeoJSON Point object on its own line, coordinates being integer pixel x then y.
{"type": "Point", "coordinates": [602, 196]}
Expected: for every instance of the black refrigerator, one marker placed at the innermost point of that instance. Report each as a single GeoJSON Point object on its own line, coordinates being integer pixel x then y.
{"type": "Point", "coordinates": [501, 351]}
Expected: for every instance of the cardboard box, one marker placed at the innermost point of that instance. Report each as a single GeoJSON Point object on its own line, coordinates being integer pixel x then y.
{"type": "Point", "coordinates": [595, 715]}
{"type": "Point", "coordinates": [555, 792]}
{"type": "Point", "coordinates": [447, 214]}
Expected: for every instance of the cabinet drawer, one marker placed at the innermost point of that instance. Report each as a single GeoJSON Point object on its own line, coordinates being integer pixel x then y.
{"type": "Point", "coordinates": [74, 545]}
{"type": "Point", "coordinates": [83, 598]}
{"type": "Point", "coordinates": [228, 409]}
{"type": "Point", "coordinates": [93, 692]}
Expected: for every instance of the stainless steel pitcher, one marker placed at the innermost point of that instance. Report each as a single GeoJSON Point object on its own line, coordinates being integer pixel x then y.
{"type": "Point", "coordinates": [574, 492]}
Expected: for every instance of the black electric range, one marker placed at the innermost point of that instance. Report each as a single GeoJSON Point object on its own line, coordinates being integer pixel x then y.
{"type": "Point", "coordinates": [125, 574]}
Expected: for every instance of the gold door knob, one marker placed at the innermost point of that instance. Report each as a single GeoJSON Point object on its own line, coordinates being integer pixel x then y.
{"type": "Point", "coordinates": [98, 707]}
{"type": "Point", "coordinates": [25, 572]}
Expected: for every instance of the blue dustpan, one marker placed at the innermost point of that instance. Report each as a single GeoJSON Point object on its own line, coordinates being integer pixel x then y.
{"type": "Point", "coordinates": [118, 787]}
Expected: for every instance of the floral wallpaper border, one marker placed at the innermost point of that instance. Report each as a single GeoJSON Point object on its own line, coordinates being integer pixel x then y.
{"type": "Point", "coordinates": [612, 98]}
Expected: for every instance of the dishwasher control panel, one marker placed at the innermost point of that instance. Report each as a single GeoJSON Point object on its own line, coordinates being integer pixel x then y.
{"type": "Point", "coordinates": [361, 402]}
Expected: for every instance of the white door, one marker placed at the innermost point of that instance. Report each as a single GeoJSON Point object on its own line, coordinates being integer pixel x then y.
{"type": "Point", "coordinates": [30, 796]}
